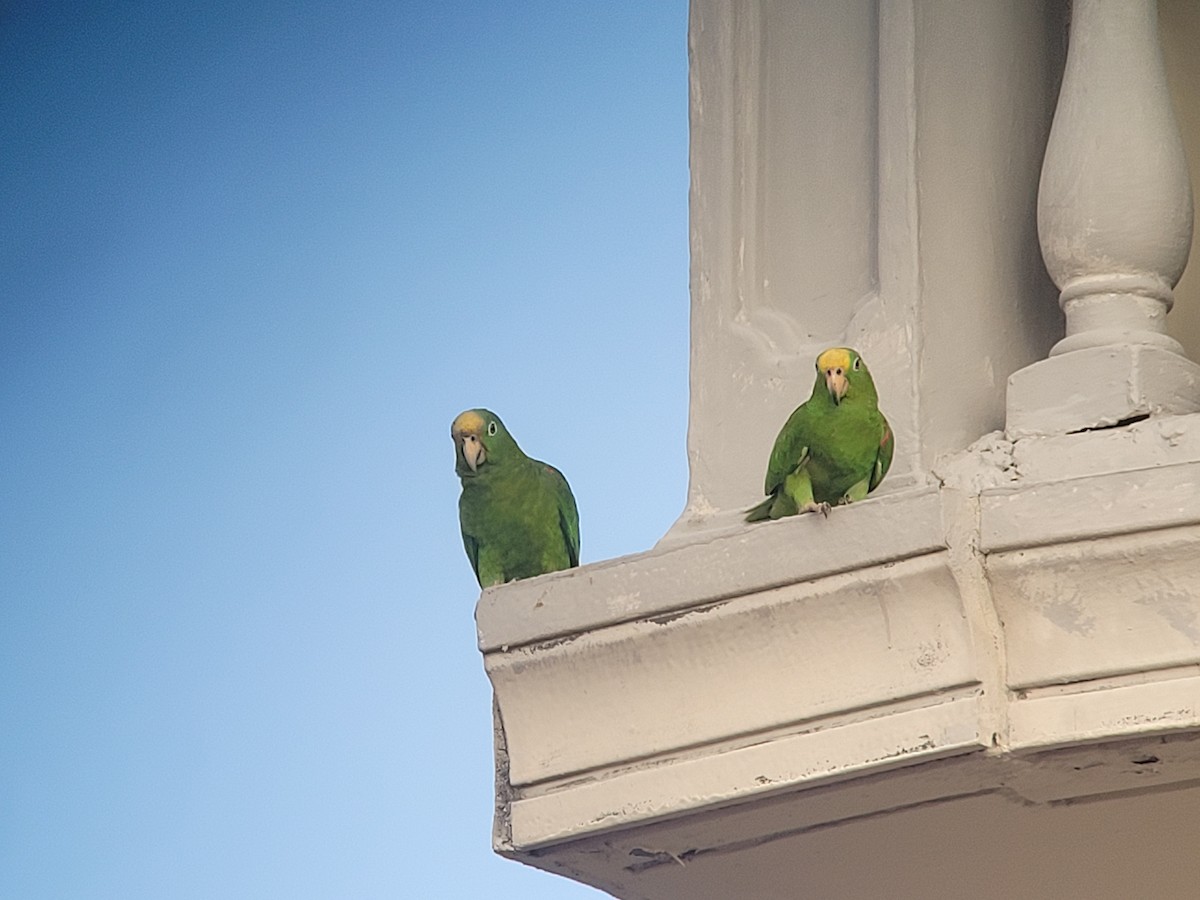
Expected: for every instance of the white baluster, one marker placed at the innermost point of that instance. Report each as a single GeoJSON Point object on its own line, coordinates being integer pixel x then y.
{"type": "Point", "coordinates": [1115, 225]}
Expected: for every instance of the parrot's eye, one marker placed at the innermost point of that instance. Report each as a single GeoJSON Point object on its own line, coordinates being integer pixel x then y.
{"type": "Point", "coordinates": [491, 428]}
{"type": "Point", "coordinates": [857, 364]}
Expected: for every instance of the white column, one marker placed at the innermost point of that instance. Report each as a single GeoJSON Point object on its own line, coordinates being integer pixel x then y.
{"type": "Point", "coordinates": [1115, 226]}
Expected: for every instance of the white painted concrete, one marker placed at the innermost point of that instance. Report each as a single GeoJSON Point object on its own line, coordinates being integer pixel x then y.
{"type": "Point", "coordinates": [1115, 225]}
{"type": "Point", "coordinates": [1179, 29]}
{"type": "Point", "coordinates": [1114, 203]}
{"type": "Point", "coordinates": [863, 173]}
{"type": "Point", "coordinates": [1057, 619]}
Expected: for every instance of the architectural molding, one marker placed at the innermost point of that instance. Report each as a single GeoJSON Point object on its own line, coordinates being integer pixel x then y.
{"type": "Point", "coordinates": [980, 647]}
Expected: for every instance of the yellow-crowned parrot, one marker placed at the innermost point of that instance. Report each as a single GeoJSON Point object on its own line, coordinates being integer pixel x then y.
{"type": "Point", "coordinates": [517, 514]}
{"type": "Point", "coordinates": [835, 448]}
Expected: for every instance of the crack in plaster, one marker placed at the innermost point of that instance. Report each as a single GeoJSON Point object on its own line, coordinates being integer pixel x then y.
{"type": "Point", "coordinates": [1107, 426]}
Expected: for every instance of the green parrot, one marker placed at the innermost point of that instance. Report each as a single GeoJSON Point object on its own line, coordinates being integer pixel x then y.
{"type": "Point", "coordinates": [834, 448]}
{"type": "Point", "coordinates": [517, 514]}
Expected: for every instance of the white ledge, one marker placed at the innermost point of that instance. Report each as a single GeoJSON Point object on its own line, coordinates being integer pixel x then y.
{"type": "Point", "coordinates": [1042, 600]}
{"type": "Point", "coordinates": [742, 671]}
{"type": "Point", "coordinates": [722, 564]}
{"type": "Point", "coordinates": [757, 771]}
{"type": "Point", "coordinates": [1115, 503]}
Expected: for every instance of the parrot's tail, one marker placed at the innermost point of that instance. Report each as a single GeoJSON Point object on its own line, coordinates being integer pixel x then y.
{"type": "Point", "coordinates": [761, 512]}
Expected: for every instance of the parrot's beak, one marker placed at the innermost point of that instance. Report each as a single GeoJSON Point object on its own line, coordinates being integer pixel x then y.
{"type": "Point", "coordinates": [836, 384]}
{"type": "Point", "coordinates": [473, 451]}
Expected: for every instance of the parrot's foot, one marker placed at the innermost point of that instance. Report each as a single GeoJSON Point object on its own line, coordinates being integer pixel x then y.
{"type": "Point", "coordinates": [822, 508]}
{"type": "Point", "coordinates": [857, 492]}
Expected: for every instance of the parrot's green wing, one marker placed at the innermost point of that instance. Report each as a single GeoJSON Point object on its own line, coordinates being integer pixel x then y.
{"type": "Point", "coordinates": [883, 461]}
{"type": "Point", "coordinates": [791, 448]}
{"type": "Point", "coordinates": [568, 514]}
{"type": "Point", "coordinates": [785, 469]}
{"type": "Point", "coordinates": [472, 547]}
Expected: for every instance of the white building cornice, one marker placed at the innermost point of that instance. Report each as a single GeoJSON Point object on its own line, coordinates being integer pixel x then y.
{"type": "Point", "coordinates": [983, 618]}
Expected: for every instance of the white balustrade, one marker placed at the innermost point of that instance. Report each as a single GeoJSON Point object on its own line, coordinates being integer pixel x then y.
{"type": "Point", "coordinates": [1115, 226]}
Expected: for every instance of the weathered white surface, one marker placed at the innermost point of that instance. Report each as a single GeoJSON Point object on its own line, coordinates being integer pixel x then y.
{"type": "Point", "coordinates": [721, 565]}
{"type": "Point", "coordinates": [1075, 509]}
{"type": "Point", "coordinates": [647, 793]}
{"type": "Point", "coordinates": [730, 671]}
{"type": "Point", "coordinates": [984, 845]}
{"type": "Point", "coordinates": [985, 77]}
{"type": "Point", "coordinates": [813, 123]}
{"type": "Point", "coordinates": [1179, 31]}
{"type": "Point", "coordinates": [1114, 201]}
{"type": "Point", "coordinates": [1094, 608]}
{"type": "Point", "coordinates": [1115, 226]}
{"type": "Point", "coordinates": [1100, 386]}
{"type": "Point", "coordinates": [1151, 443]}
{"type": "Point", "coordinates": [783, 227]}
{"type": "Point", "coordinates": [1157, 703]}
{"type": "Point", "coordinates": [1034, 653]}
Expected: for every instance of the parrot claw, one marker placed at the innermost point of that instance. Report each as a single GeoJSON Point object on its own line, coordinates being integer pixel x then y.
{"type": "Point", "coordinates": [822, 508]}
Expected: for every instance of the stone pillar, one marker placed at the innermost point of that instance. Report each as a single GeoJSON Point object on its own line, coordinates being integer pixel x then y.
{"type": "Point", "coordinates": [1115, 227]}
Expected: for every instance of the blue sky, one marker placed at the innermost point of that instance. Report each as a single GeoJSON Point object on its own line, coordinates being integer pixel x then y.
{"type": "Point", "coordinates": [254, 257]}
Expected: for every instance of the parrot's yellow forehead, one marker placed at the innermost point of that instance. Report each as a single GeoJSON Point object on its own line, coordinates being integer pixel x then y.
{"type": "Point", "coordinates": [469, 422]}
{"type": "Point", "coordinates": [834, 358]}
